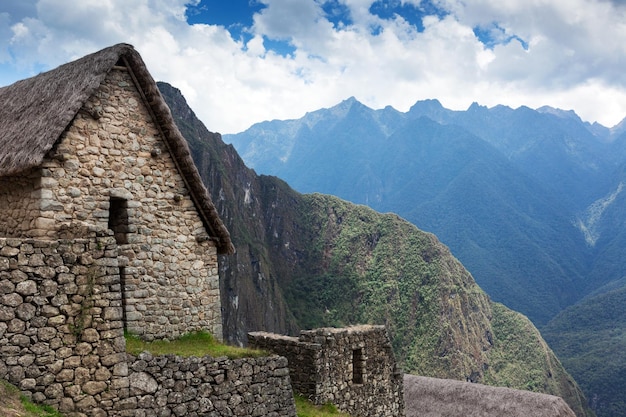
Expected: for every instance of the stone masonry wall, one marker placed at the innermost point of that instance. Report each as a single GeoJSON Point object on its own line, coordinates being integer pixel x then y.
{"type": "Point", "coordinates": [62, 343]}
{"type": "Point", "coordinates": [19, 205]}
{"type": "Point", "coordinates": [354, 368]}
{"type": "Point", "coordinates": [304, 358]}
{"type": "Point", "coordinates": [112, 168]}
{"type": "Point", "coordinates": [61, 334]}
{"type": "Point", "coordinates": [173, 386]}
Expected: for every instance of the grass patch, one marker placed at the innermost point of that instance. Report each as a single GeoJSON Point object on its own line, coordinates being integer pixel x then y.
{"type": "Point", "coordinates": [305, 408]}
{"type": "Point", "coordinates": [13, 404]}
{"type": "Point", "coordinates": [39, 410]}
{"type": "Point", "coordinates": [191, 344]}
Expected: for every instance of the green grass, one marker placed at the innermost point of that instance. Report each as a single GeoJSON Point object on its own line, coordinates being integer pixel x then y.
{"type": "Point", "coordinates": [12, 403]}
{"type": "Point", "coordinates": [39, 410]}
{"type": "Point", "coordinates": [305, 408]}
{"type": "Point", "coordinates": [191, 344]}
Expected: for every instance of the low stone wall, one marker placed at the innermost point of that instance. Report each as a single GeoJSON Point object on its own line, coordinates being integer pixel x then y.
{"type": "Point", "coordinates": [304, 358]}
{"type": "Point", "coordinates": [354, 368]}
{"type": "Point", "coordinates": [62, 343]}
{"type": "Point", "coordinates": [169, 385]}
{"type": "Point", "coordinates": [61, 331]}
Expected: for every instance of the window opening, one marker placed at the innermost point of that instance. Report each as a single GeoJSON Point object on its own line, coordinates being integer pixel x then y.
{"type": "Point", "coordinates": [358, 366]}
{"type": "Point", "coordinates": [118, 219]}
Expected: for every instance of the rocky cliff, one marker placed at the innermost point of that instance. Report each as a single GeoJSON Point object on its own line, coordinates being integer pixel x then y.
{"type": "Point", "coordinates": [314, 260]}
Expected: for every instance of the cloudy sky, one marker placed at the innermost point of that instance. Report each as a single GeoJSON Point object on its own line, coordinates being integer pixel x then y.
{"type": "Point", "coordinates": [243, 61]}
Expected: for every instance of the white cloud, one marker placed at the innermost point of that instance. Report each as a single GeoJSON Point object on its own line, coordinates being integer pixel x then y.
{"type": "Point", "coordinates": [575, 55]}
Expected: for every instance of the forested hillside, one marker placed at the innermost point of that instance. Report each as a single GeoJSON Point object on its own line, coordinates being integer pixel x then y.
{"type": "Point", "coordinates": [315, 260]}
{"type": "Point", "coordinates": [590, 338]}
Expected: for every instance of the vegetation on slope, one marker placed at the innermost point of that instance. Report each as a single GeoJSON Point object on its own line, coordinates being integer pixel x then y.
{"type": "Point", "coordinates": [363, 267]}
{"type": "Point", "coordinates": [366, 267]}
{"type": "Point", "coordinates": [521, 359]}
{"type": "Point", "coordinates": [13, 404]}
{"type": "Point", "coordinates": [313, 260]}
{"type": "Point", "coordinates": [590, 338]}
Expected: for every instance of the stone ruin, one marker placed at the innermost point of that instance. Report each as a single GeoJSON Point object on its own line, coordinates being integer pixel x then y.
{"type": "Point", "coordinates": [353, 368]}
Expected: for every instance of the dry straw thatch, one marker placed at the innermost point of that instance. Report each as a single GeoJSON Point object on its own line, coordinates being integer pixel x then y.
{"type": "Point", "coordinates": [36, 111]}
{"type": "Point", "coordinates": [431, 397]}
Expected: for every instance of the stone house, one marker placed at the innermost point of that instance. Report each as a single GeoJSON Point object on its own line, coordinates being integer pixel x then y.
{"type": "Point", "coordinates": [91, 147]}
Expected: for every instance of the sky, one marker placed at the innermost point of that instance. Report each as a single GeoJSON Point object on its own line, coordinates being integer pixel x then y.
{"type": "Point", "coordinates": [239, 62]}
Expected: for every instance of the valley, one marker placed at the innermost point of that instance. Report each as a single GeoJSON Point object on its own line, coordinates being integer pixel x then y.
{"type": "Point", "coordinates": [308, 260]}
{"type": "Point", "coordinates": [530, 201]}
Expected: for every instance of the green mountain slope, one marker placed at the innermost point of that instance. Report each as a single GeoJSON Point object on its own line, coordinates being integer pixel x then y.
{"type": "Point", "coordinates": [590, 339]}
{"type": "Point", "coordinates": [314, 260]}
{"type": "Point", "coordinates": [514, 233]}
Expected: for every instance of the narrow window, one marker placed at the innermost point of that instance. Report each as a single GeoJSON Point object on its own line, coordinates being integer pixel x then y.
{"type": "Point", "coordinates": [118, 223]}
{"type": "Point", "coordinates": [123, 287]}
{"type": "Point", "coordinates": [358, 366]}
{"type": "Point", "coordinates": [118, 219]}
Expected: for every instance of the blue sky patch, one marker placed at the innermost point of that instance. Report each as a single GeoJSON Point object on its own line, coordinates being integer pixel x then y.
{"type": "Point", "coordinates": [387, 9]}
{"type": "Point", "coordinates": [235, 16]}
{"type": "Point", "coordinates": [494, 35]}
{"type": "Point", "coordinates": [281, 47]}
{"type": "Point", "coordinates": [337, 13]}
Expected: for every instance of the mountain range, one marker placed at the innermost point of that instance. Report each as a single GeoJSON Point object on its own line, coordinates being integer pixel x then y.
{"type": "Point", "coordinates": [311, 260]}
{"type": "Point", "coordinates": [531, 201]}
{"type": "Point", "coordinates": [522, 197]}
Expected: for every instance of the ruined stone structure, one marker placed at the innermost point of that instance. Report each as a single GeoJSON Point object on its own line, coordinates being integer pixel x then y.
{"type": "Point", "coordinates": [353, 368]}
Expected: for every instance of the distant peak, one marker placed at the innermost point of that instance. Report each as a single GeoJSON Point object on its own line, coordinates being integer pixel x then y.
{"type": "Point", "coordinates": [345, 106]}
{"type": "Point", "coordinates": [429, 104]}
{"type": "Point", "coordinates": [564, 114]}
{"type": "Point", "coordinates": [475, 107]}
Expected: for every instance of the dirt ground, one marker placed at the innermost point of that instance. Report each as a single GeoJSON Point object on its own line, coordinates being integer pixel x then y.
{"type": "Point", "coordinates": [10, 404]}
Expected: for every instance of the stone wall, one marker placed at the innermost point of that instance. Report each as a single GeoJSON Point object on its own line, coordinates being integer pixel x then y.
{"type": "Point", "coordinates": [62, 343]}
{"type": "Point", "coordinates": [19, 205]}
{"type": "Point", "coordinates": [354, 368]}
{"type": "Point", "coordinates": [191, 387]}
{"type": "Point", "coordinates": [112, 169]}
{"type": "Point", "coordinates": [61, 331]}
{"type": "Point", "coordinates": [304, 358]}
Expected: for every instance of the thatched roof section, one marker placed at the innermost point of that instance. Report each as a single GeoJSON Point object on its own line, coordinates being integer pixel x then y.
{"type": "Point", "coordinates": [431, 397]}
{"type": "Point", "coordinates": [35, 112]}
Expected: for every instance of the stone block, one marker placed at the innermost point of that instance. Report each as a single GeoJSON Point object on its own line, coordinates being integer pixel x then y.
{"type": "Point", "coordinates": [94, 387]}
{"type": "Point", "coordinates": [28, 287]}
{"type": "Point", "coordinates": [142, 383]}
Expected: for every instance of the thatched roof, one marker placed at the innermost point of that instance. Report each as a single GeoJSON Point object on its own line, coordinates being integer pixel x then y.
{"type": "Point", "coordinates": [35, 112]}
{"type": "Point", "coordinates": [431, 397]}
